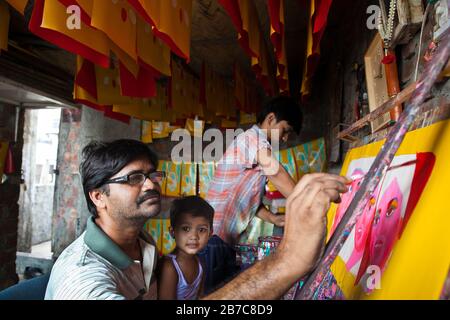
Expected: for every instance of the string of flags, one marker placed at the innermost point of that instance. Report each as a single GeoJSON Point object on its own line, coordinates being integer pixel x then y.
{"type": "Point", "coordinates": [131, 61]}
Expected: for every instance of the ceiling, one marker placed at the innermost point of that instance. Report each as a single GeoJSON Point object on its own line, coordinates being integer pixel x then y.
{"type": "Point", "coordinates": [20, 95]}
{"type": "Point", "coordinates": [214, 38]}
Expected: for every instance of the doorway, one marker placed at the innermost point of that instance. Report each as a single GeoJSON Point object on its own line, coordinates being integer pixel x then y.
{"type": "Point", "coordinates": [41, 137]}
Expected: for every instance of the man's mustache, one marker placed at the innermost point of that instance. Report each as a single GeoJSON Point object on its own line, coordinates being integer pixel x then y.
{"type": "Point", "coordinates": [148, 195]}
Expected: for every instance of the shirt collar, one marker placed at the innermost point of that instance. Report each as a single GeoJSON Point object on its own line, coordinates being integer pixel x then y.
{"type": "Point", "coordinates": [259, 131]}
{"type": "Point", "coordinates": [101, 244]}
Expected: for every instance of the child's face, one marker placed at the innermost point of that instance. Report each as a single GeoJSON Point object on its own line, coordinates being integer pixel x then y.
{"type": "Point", "coordinates": [192, 233]}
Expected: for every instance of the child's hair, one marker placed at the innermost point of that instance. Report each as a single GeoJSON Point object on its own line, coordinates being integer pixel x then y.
{"type": "Point", "coordinates": [285, 108]}
{"type": "Point", "coordinates": [193, 205]}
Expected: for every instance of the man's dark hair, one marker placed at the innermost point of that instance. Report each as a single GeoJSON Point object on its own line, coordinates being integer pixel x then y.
{"type": "Point", "coordinates": [193, 205]}
{"type": "Point", "coordinates": [285, 108]}
{"type": "Point", "coordinates": [102, 160]}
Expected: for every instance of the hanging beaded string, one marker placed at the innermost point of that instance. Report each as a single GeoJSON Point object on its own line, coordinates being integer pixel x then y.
{"type": "Point", "coordinates": [386, 29]}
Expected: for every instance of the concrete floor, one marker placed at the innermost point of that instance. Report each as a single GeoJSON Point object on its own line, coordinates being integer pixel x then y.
{"type": "Point", "coordinates": [40, 257]}
{"type": "Point", "coordinates": [42, 250]}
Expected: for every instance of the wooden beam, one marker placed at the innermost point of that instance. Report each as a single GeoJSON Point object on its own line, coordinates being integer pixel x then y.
{"type": "Point", "coordinates": [35, 75]}
{"type": "Point", "coordinates": [400, 98]}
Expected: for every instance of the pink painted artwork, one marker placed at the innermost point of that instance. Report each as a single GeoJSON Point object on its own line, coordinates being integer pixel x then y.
{"type": "Point", "coordinates": [347, 198]}
{"type": "Point", "coordinates": [385, 228]}
{"type": "Point", "coordinates": [386, 215]}
{"type": "Point", "coordinates": [362, 229]}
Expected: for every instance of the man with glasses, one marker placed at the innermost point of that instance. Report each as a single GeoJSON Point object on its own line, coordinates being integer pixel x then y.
{"type": "Point", "coordinates": [114, 259]}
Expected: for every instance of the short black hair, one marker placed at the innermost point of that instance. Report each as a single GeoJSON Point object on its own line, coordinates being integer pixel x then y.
{"type": "Point", "coordinates": [194, 205]}
{"type": "Point", "coordinates": [285, 108]}
{"type": "Point", "coordinates": [102, 160]}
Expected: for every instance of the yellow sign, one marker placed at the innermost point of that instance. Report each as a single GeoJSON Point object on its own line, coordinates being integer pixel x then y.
{"type": "Point", "coordinates": [146, 136]}
{"type": "Point", "coordinates": [188, 179]}
{"type": "Point", "coordinates": [3, 152]}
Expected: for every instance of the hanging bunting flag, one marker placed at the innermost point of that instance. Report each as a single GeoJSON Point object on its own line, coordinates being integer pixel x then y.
{"type": "Point", "coordinates": [152, 53]}
{"type": "Point", "coordinates": [160, 129]}
{"type": "Point", "coordinates": [108, 86]}
{"type": "Point", "coordinates": [260, 67]}
{"type": "Point", "coordinates": [146, 134]}
{"type": "Point", "coordinates": [228, 124]}
{"type": "Point", "coordinates": [93, 84]}
{"type": "Point", "coordinates": [128, 38]}
{"type": "Point", "coordinates": [4, 146]}
{"type": "Point", "coordinates": [9, 168]}
{"type": "Point", "coordinates": [206, 173]}
{"type": "Point", "coordinates": [85, 85]}
{"type": "Point", "coordinates": [282, 73]}
{"type": "Point", "coordinates": [188, 179]}
{"type": "Point", "coordinates": [83, 97]}
{"type": "Point", "coordinates": [319, 10]}
{"type": "Point", "coordinates": [247, 118]}
{"type": "Point", "coordinates": [278, 38]}
{"type": "Point", "coordinates": [142, 86]}
{"type": "Point", "coordinates": [240, 85]}
{"type": "Point", "coordinates": [140, 110]}
{"type": "Point", "coordinates": [197, 107]}
{"type": "Point", "coordinates": [321, 18]}
{"type": "Point", "coordinates": [85, 77]}
{"type": "Point", "coordinates": [180, 87]}
{"type": "Point", "coordinates": [173, 185]}
{"type": "Point", "coordinates": [19, 5]}
{"type": "Point", "coordinates": [190, 92]}
{"type": "Point", "coordinates": [4, 26]}
{"type": "Point", "coordinates": [211, 90]}
{"type": "Point", "coordinates": [202, 88]}
{"type": "Point", "coordinates": [239, 12]}
{"type": "Point", "coordinates": [117, 19]}
{"type": "Point", "coordinates": [116, 116]}
{"type": "Point", "coordinates": [232, 8]}
{"type": "Point", "coordinates": [250, 38]}
{"type": "Point", "coordinates": [242, 89]}
{"type": "Point", "coordinates": [146, 109]}
{"type": "Point", "coordinates": [154, 228]}
{"type": "Point", "coordinates": [171, 21]}
{"type": "Point", "coordinates": [50, 20]}
{"type": "Point", "coordinates": [276, 14]}
{"type": "Point", "coordinates": [244, 16]}
{"type": "Point", "coordinates": [85, 8]}
{"type": "Point", "coordinates": [195, 127]}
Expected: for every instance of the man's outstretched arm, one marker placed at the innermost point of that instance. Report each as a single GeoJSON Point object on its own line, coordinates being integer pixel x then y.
{"type": "Point", "coordinates": [301, 247]}
{"type": "Point", "coordinates": [275, 172]}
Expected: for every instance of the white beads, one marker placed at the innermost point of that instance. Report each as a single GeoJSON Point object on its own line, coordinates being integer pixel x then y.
{"type": "Point", "coordinates": [386, 29]}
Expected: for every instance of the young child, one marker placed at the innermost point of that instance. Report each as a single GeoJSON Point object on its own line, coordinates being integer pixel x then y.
{"type": "Point", "coordinates": [181, 274]}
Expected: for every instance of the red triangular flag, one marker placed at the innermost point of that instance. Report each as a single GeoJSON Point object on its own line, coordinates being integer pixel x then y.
{"type": "Point", "coordinates": [9, 162]}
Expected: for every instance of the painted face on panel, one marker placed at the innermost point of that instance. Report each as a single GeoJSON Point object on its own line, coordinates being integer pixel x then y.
{"type": "Point", "coordinates": [386, 225]}
{"type": "Point", "coordinates": [347, 198]}
{"type": "Point", "coordinates": [362, 230]}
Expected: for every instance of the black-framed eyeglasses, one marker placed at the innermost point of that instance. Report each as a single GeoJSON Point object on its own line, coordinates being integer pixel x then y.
{"type": "Point", "coordinates": [138, 178]}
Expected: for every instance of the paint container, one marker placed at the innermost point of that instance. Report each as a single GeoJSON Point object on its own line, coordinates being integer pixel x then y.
{"type": "Point", "coordinates": [246, 254]}
{"type": "Point", "coordinates": [267, 245]}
